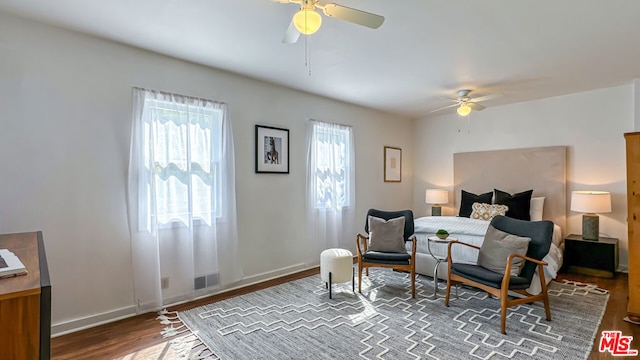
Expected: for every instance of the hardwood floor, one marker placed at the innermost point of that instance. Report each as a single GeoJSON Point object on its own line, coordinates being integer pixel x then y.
{"type": "Point", "coordinates": [138, 338]}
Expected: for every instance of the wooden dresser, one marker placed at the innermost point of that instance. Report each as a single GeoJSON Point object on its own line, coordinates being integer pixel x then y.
{"type": "Point", "coordinates": [25, 301]}
{"type": "Point", "coordinates": [633, 222]}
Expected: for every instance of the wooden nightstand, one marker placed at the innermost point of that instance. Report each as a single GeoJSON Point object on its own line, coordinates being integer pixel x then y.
{"type": "Point", "coordinates": [590, 257]}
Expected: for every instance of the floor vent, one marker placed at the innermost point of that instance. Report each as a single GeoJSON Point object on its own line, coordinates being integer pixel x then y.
{"type": "Point", "coordinates": [205, 281]}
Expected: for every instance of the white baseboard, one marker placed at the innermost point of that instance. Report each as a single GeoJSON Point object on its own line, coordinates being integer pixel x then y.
{"type": "Point", "coordinates": [71, 326]}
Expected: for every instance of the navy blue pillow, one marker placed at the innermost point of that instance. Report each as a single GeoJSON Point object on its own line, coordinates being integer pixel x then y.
{"type": "Point", "coordinates": [468, 199]}
{"type": "Point", "coordinates": [519, 204]}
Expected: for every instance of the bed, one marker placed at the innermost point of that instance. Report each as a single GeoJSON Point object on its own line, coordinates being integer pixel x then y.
{"type": "Point", "coordinates": [541, 169]}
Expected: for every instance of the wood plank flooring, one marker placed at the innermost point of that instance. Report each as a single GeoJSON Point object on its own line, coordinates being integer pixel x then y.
{"type": "Point", "coordinates": [138, 338]}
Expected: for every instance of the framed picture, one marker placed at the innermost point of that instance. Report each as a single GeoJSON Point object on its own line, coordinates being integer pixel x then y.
{"type": "Point", "coordinates": [392, 164]}
{"type": "Point", "coordinates": [272, 150]}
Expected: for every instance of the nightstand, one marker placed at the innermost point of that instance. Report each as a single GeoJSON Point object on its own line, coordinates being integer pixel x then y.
{"type": "Point", "coordinates": [591, 257]}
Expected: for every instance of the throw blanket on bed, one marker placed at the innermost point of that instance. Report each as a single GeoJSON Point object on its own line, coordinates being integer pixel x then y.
{"type": "Point", "coordinates": [453, 225]}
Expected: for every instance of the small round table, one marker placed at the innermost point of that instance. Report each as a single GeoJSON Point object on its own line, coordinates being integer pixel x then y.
{"type": "Point", "coordinates": [438, 259]}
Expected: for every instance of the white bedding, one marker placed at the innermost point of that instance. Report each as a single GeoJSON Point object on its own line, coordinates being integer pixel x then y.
{"type": "Point", "coordinates": [472, 231]}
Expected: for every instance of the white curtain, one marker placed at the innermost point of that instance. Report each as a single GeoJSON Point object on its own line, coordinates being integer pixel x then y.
{"type": "Point", "coordinates": [330, 186]}
{"type": "Point", "coordinates": [181, 199]}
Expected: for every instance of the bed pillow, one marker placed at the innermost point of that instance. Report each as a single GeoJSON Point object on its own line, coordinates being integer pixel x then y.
{"type": "Point", "coordinates": [497, 247]}
{"type": "Point", "coordinates": [487, 211]}
{"type": "Point", "coordinates": [535, 211]}
{"type": "Point", "coordinates": [519, 204]}
{"type": "Point", "coordinates": [468, 199]}
{"type": "Point", "coordinates": [386, 235]}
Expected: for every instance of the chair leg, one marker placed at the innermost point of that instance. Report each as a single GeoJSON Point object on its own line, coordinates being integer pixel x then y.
{"type": "Point", "coordinates": [413, 283]}
{"type": "Point", "coordinates": [503, 313]}
{"type": "Point", "coordinates": [330, 285]}
{"type": "Point", "coordinates": [545, 299]}
{"type": "Point", "coordinates": [359, 277]}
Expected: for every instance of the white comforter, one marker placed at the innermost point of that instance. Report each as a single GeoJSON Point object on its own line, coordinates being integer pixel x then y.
{"type": "Point", "coordinates": [472, 231]}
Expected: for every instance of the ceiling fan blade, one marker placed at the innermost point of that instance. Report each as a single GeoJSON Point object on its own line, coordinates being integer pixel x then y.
{"type": "Point", "coordinates": [488, 97]}
{"type": "Point", "coordinates": [355, 16]}
{"type": "Point", "coordinates": [445, 107]}
{"type": "Point", "coordinates": [475, 106]}
{"type": "Point", "coordinates": [291, 35]}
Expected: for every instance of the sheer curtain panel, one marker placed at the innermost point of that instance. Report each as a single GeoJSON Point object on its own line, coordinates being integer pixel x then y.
{"type": "Point", "coordinates": [181, 199]}
{"type": "Point", "coordinates": [330, 185]}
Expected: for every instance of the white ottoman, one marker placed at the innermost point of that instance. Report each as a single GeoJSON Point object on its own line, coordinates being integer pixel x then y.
{"type": "Point", "coordinates": [336, 266]}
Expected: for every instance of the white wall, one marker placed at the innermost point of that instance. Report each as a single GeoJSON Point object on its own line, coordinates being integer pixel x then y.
{"type": "Point", "coordinates": [65, 105]}
{"type": "Point", "coordinates": [591, 124]}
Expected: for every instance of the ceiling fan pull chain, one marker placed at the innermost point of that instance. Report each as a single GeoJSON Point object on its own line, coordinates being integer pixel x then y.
{"type": "Point", "coordinates": [307, 54]}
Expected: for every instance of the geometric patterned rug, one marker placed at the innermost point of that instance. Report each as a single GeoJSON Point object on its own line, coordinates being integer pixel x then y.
{"type": "Point", "coordinates": [297, 320]}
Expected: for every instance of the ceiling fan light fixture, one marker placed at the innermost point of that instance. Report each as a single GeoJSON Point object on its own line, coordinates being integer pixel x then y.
{"type": "Point", "coordinates": [464, 110]}
{"type": "Point", "coordinates": [307, 21]}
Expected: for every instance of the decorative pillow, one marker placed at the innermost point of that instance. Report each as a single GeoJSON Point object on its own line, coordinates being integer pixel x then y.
{"type": "Point", "coordinates": [386, 235]}
{"type": "Point", "coordinates": [519, 204]}
{"type": "Point", "coordinates": [537, 205]}
{"type": "Point", "coordinates": [497, 247]}
{"type": "Point", "coordinates": [468, 199]}
{"type": "Point", "coordinates": [487, 211]}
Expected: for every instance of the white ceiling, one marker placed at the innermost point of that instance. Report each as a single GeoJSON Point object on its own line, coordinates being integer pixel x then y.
{"type": "Point", "coordinates": [426, 49]}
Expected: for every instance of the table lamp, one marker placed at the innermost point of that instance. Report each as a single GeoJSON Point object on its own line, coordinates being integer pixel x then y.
{"type": "Point", "coordinates": [436, 197]}
{"type": "Point", "coordinates": [590, 203]}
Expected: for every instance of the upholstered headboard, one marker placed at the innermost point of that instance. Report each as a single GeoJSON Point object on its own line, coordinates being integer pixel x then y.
{"type": "Point", "coordinates": [542, 169]}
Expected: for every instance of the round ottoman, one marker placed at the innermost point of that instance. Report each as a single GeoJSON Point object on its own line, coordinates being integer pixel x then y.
{"type": "Point", "coordinates": [336, 266]}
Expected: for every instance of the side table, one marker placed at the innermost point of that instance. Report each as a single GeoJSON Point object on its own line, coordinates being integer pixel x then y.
{"type": "Point", "coordinates": [590, 257]}
{"type": "Point", "coordinates": [437, 258]}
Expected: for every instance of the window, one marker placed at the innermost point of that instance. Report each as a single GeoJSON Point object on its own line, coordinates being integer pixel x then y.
{"type": "Point", "coordinates": [181, 198]}
{"type": "Point", "coordinates": [184, 149]}
{"type": "Point", "coordinates": [330, 164]}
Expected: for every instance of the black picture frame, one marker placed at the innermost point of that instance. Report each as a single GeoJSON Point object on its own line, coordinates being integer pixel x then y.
{"type": "Point", "coordinates": [272, 150]}
{"type": "Point", "coordinates": [392, 164]}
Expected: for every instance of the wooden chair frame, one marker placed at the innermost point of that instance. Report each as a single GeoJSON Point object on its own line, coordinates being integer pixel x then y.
{"type": "Point", "coordinates": [361, 244]}
{"type": "Point", "coordinates": [502, 292]}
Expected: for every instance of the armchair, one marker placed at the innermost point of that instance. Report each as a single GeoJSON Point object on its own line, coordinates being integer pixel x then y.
{"type": "Point", "coordinates": [499, 284]}
{"type": "Point", "coordinates": [390, 250]}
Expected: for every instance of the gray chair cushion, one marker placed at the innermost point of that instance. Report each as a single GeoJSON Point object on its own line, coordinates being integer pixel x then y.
{"type": "Point", "coordinates": [387, 257]}
{"type": "Point", "coordinates": [386, 235]}
{"type": "Point", "coordinates": [488, 277]}
{"type": "Point", "coordinates": [496, 248]}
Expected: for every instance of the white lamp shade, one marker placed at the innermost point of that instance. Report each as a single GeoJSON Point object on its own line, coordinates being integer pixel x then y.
{"type": "Point", "coordinates": [436, 196]}
{"type": "Point", "coordinates": [591, 201]}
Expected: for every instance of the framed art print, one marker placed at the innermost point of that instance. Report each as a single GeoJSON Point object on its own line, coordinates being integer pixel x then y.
{"type": "Point", "coordinates": [392, 164]}
{"type": "Point", "coordinates": [272, 150]}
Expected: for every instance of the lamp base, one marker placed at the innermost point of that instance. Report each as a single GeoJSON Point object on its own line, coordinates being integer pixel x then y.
{"type": "Point", "coordinates": [436, 210]}
{"type": "Point", "coordinates": [590, 227]}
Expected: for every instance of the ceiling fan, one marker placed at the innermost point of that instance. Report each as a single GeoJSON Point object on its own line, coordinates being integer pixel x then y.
{"type": "Point", "coordinates": [466, 103]}
{"type": "Point", "coordinates": [307, 21]}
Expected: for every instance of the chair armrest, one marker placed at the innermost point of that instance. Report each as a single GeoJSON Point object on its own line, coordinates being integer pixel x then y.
{"type": "Point", "coordinates": [539, 262]}
{"type": "Point", "coordinates": [449, 258]}
{"type": "Point", "coordinates": [361, 239]}
{"type": "Point", "coordinates": [414, 242]}
{"type": "Point", "coordinates": [507, 270]}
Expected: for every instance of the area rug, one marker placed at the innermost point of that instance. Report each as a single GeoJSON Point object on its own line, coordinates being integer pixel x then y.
{"type": "Point", "coordinates": [297, 320]}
